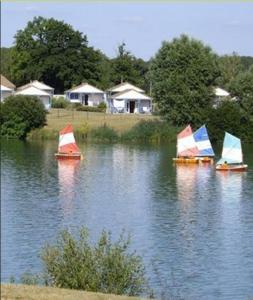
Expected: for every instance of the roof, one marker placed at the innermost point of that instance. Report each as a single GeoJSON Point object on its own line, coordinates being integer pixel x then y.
{"type": "Point", "coordinates": [86, 89]}
{"type": "Point", "coordinates": [32, 91]}
{"type": "Point", "coordinates": [130, 95]}
{"type": "Point", "coordinates": [5, 82]}
{"type": "Point", "coordinates": [5, 89]}
{"type": "Point", "coordinates": [220, 92]}
{"type": "Point", "coordinates": [124, 86]}
{"type": "Point", "coordinates": [37, 84]}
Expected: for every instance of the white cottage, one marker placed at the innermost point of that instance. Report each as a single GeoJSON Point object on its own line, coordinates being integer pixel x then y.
{"type": "Point", "coordinates": [33, 91]}
{"type": "Point", "coordinates": [220, 95]}
{"type": "Point", "coordinates": [131, 101]}
{"type": "Point", "coordinates": [38, 85]}
{"type": "Point", "coordinates": [85, 94]}
{"type": "Point", "coordinates": [5, 92]}
{"type": "Point", "coordinates": [123, 87]}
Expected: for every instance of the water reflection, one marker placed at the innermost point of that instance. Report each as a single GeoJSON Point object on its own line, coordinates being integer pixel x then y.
{"type": "Point", "coordinates": [68, 172]}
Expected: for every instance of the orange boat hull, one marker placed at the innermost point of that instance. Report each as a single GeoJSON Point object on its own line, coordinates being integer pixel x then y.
{"type": "Point", "coordinates": [208, 160]}
{"type": "Point", "coordinates": [68, 155]}
{"type": "Point", "coordinates": [239, 168]}
{"type": "Point", "coordinates": [182, 160]}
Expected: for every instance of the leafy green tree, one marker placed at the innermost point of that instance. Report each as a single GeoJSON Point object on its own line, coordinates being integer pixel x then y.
{"type": "Point", "coordinates": [126, 67]}
{"type": "Point", "coordinates": [20, 114]}
{"type": "Point", "coordinates": [107, 267]}
{"type": "Point", "coordinates": [6, 62]}
{"type": "Point", "coordinates": [229, 117]}
{"type": "Point", "coordinates": [247, 62]}
{"type": "Point", "coordinates": [52, 51]}
{"type": "Point", "coordinates": [183, 73]}
{"type": "Point", "coordinates": [230, 66]}
{"type": "Point", "coordinates": [242, 88]}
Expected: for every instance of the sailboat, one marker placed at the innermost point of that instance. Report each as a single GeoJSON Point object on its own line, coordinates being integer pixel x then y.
{"type": "Point", "coordinates": [232, 158]}
{"type": "Point", "coordinates": [67, 148]}
{"type": "Point", "coordinates": [204, 146]}
{"type": "Point", "coordinates": [186, 147]}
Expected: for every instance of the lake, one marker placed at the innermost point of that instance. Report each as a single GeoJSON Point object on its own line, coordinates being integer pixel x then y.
{"type": "Point", "coordinates": [192, 226]}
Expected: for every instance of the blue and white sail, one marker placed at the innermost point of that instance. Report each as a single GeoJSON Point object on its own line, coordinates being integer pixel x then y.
{"type": "Point", "coordinates": [202, 141]}
{"type": "Point", "coordinates": [232, 150]}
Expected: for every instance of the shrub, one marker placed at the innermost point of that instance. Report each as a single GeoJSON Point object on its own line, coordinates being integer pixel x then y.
{"type": "Point", "coordinates": [106, 266]}
{"type": "Point", "coordinates": [151, 131]}
{"type": "Point", "coordinates": [71, 106]}
{"type": "Point", "coordinates": [60, 102]}
{"type": "Point", "coordinates": [20, 114]}
{"type": "Point", "coordinates": [104, 134]}
{"type": "Point", "coordinates": [102, 106]}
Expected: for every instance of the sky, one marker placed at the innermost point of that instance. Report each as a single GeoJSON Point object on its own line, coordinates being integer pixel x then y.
{"type": "Point", "coordinates": [226, 27]}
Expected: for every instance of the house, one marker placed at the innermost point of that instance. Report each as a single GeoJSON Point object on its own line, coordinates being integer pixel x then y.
{"type": "Point", "coordinates": [127, 98]}
{"type": "Point", "coordinates": [38, 85]}
{"type": "Point", "coordinates": [31, 90]}
{"type": "Point", "coordinates": [7, 88]}
{"type": "Point", "coordinates": [85, 94]}
{"type": "Point", "coordinates": [130, 101]}
{"type": "Point", "coordinates": [123, 87]}
{"type": "Point", "coordinates": [221, 95]}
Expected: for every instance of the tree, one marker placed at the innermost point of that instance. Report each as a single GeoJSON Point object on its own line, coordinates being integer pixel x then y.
{"type": "Point", "coordinates": [6, 61]}
{"type": "Point", "coordinates": [183, 73]}
{"type": "Point", "coordinates": [229, 117]}
{"type": "Point", "coordinates": [242, 88]}
{"type": "Point", "coordinates": [107, 267]}
{"type": "Point", "coordinates": [126, 67]}
{"type": "Point", "coordinates": [230, 66]}
{"type": "Point", "coordinates": [52, 51]}
{"type": "Point", "coordinates": [20, 114]}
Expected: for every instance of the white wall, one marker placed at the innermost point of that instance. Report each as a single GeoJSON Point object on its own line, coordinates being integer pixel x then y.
{"type": "Point", "coordinates": [5, 94]}
{"type": "Point", "coordinates": [46, 101]}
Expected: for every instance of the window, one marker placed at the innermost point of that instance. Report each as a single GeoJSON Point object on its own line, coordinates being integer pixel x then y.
{"type": "Point", "coordinates": [74, 96]}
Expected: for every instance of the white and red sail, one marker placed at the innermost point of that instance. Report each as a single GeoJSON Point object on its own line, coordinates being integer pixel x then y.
{"type": "Point", "coordinates": [186, 145]}
{"type": "Point", "coordinates": [67, 143]}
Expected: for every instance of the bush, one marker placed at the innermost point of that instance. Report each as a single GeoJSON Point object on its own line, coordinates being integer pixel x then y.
{"type": "Point", "coordinates": [151, 131]}
{"type": "Point", "coordinates": [104, 267]}
{"type": "Point", "coordinates": [60, 102]}
{"type": "Point", "coordinates": [71, 106]}
{"type": "Point", "coordinates": [100, 108]}
{"type": "Point", "coordinates": [20, 114]}
{"type": "Point", "coordinates": [104, 134]}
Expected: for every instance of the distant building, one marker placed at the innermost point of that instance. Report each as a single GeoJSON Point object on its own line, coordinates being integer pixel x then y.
{"type": "Point", "coordinates": [220, 95]}
{"type": "Point", "coordinates": [85, 94]}
{"type": "Point", "coordinates": [44, 96]}
{"type": "Point", "coordinates": [38, 85]}
{"type": "Point", "coordinates": [127, 98]}
{"type": "Point", "coordinates": [7, 88]}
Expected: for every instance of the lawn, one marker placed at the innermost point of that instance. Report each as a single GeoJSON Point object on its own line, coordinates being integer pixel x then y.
{"type": "Point", "coordinates": [58, 118]}
{"type": "Point", "coordinates": [30, 292]}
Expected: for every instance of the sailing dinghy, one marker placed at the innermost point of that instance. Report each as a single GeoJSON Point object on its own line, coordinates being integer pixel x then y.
{"type": "Point", "coordinates": [232, 158]}
{"type": "Point", "coordinates": [68, 148]}
{"type": "Point", "coordinates": [186, 147]}
{"type": "Point", "coordinates": [203, 144]}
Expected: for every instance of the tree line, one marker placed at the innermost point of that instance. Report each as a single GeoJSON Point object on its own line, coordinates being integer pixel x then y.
{"type": "Point", "coordinates": [180, 77]}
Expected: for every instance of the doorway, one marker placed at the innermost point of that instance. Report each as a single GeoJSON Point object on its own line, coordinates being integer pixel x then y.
{"type": "Point", "coordinates": [85, 99]}
{"type": "Point", "coordinates": [131, 107]}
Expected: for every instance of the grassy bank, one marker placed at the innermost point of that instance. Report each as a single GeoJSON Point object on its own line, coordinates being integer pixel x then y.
{"type": "Point", "coordinates": [29, 292]}
{"type": "Point", "coordinates": [100, 127]}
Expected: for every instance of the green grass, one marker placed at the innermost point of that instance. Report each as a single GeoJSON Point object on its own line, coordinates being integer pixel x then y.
{"type": "Point", "coordinates": [58, 118]}
{"type": "Point", "coordinates": [31, 292]}
{"type": "Point", "coordinates": [102, 127]}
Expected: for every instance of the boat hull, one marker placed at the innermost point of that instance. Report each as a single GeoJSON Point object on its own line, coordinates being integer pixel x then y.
{"type": "Point", "coordinates": [68, 156]}
{"type": "Point", "coordinates": [207, 160]}
{"type": "Point", "coordinates": [182, 160]}
{"type": "Point", "coordinates": [235, 168]}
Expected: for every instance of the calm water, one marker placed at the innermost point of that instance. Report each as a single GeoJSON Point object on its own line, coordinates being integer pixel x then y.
{"type": "Point", "coordinates": [192, 225]}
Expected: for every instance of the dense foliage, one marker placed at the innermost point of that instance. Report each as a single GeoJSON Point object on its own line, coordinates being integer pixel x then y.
{"type": "Point", "coordinates": [60, 102]}
{"type": "Point", "coordinates": [20, 114]}
{"type": "Point", "coordinates": [52, 51]}
{"type": "Point", "coordinates": [228, 116]}
{"type": "Point", "coordinates": [242, 88]}
{"type": "Point", "coordinates": [183, 73]}
{"type": "Point", "coordinates": [107, 267]}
